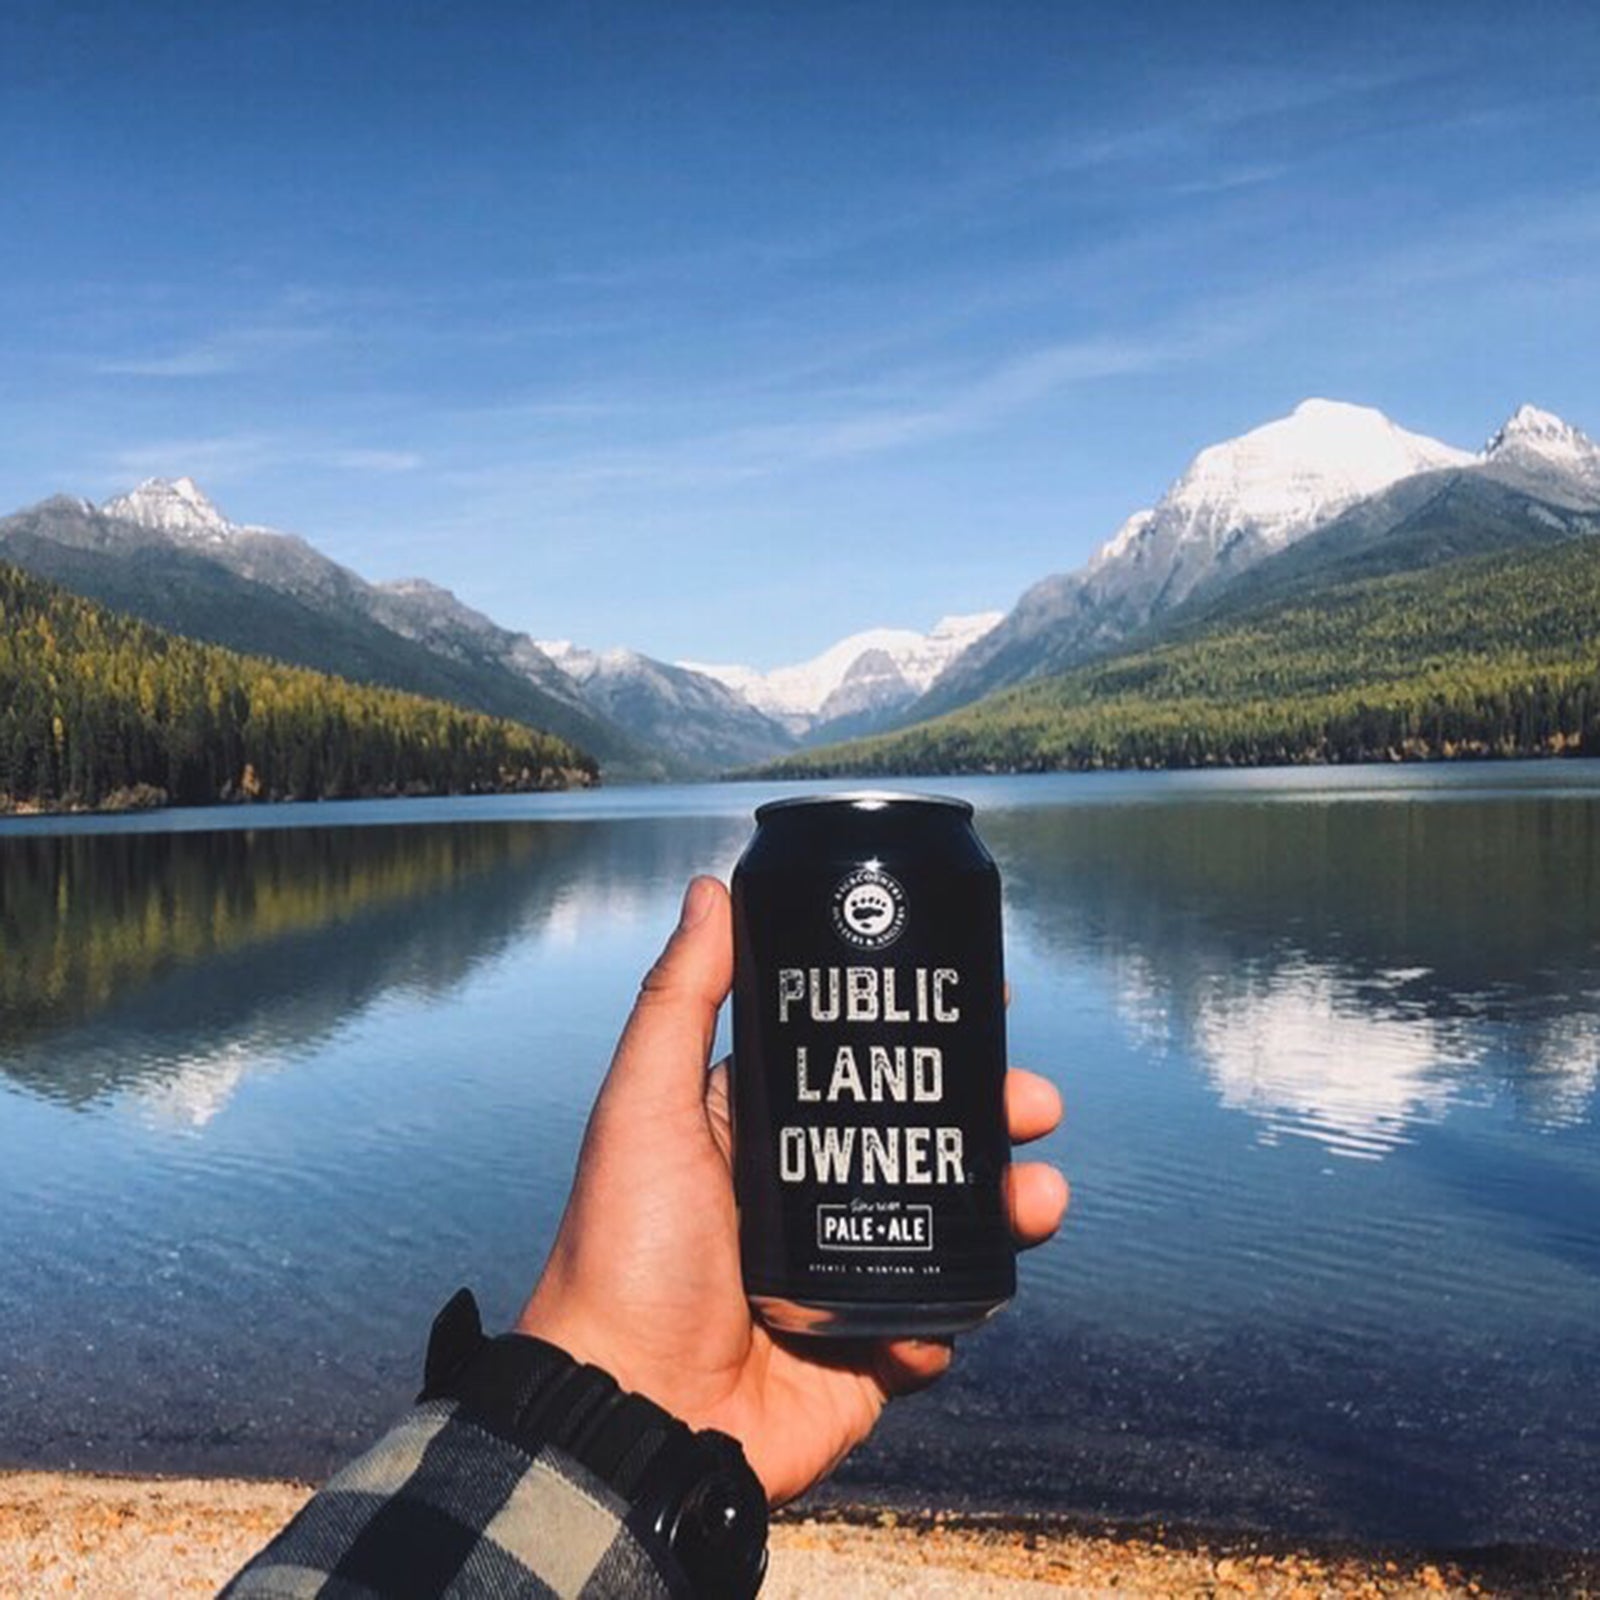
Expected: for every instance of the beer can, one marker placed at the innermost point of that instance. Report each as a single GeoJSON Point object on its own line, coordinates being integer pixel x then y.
{"type": "Point", "coordinates": [868, 1079]}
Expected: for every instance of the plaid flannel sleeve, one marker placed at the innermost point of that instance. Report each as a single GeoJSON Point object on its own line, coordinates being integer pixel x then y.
{"type": "Point", "coordinates": [441, 1506]}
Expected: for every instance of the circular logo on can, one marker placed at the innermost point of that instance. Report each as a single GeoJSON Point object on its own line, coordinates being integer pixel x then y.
{"type": "Point", "coordinates": [869, 909]}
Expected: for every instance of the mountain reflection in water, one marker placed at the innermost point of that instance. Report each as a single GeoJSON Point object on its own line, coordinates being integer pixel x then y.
{"type": "Point", "coordinates": [1341, 973]}
{"type": "Point", "coordinates": [171, 965]}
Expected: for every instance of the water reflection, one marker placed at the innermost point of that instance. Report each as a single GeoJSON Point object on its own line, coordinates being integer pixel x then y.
{"type": "Point", "coordinates": [1343, 974]}
{"type": "Point", "coordinates": [172, 967]}
{"type": "Point", "coordinates": [1304, 1051]}
{"type": "Point", "coordinates": [358, 1062]}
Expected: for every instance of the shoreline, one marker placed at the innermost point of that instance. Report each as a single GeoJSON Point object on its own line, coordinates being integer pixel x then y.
{"type": "Point", "coordinates": [69, 1532]}
{"type": "Point", "coordinates": [145, 799]}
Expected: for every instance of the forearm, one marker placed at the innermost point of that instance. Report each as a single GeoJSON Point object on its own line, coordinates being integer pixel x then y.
{"type": "Point", "coordinates": [524, 1472]}
{"type": "Point", "coordinates": [443, 1506]}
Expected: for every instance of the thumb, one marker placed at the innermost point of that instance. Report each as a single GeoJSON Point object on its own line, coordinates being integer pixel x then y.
{"type": "Point", "coordinates": [666, 1045]}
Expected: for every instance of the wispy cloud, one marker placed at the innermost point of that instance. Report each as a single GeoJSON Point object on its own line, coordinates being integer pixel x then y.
{"type": "Point", "coordinates": [1228, 179]}
{"type": "Point", "coordinates": [199, 361]}
{"type": "Point", "coordinates": [213, 459]}
{"type": "Point", "coordinates": [964, 404]}
{"type": "Point", "coordinates": [915, 405]}
{"type": "Point", "coordinates": [375, 460]}
{"type": "Point", "coordinates": [225, 458]}
{"type": "Point", "coordinates": [985, 399]}
{"type": "Point", "coordinates": [1180, 147]}
{"type": "Point", "coordinates": [223, 354]}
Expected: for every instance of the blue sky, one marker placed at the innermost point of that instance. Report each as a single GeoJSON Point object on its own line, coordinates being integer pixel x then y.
{"type": "Point", "coordinates": [722, 331]}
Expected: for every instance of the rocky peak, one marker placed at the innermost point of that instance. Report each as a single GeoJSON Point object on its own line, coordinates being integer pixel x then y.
{"type": "Point", "coordinates": [171, 505]}
{"type": "Point", "coordinates": [1529, 428]}
{"type": "Point", "coordinates": [1540, 452]}
{"type": "Point", "coordinates": [1297, 470]}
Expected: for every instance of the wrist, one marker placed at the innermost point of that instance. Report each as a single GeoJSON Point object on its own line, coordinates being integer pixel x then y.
{"type": "Point", "coordinates": [559, 1319]}
{"type": "Point", "coordinates": [538, 1320]}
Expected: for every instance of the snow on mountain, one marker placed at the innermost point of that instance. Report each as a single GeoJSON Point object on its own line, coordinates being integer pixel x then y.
{"type": "Point", "coordinates": [172, 505]}
{"type": "Point", "coordinates": [270, 593]}
{"type": "Point", "coordinates": [874, 683]}
{"type": "Point", "coordinates": [1538, 451]}
{"type": "Point", "coordinates": [578, 662]}
{"type": "Point", "coordinates": [1234, 504]}
{"type": "Point", "coordinates": [1544, 433]}
{"type": "Point", "coordinates": [179, 511]}
{"type": "Point", "coordinates": [698, 718]}
{"type": "Point", "coordinates": [900, 662]}
{"type": "Point", "coordinates": [1264, 490]}
{"type": "Point", "coordinates": [413, 608]}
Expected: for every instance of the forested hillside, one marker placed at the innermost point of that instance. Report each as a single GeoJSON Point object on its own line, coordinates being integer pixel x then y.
{"type": "Point", "coordinates": [100, 709]}
{"type": "Point", "coordinates": [1496, 655]}
{"type": "Point", "coordinates": [291, 604]}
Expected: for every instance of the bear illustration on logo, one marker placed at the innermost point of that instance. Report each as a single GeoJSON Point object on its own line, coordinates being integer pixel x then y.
{"type": "Point", "coordinates": [869, 909]}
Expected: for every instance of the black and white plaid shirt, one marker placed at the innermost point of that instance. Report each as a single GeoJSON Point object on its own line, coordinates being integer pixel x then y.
{"type": "Point", "coordinates": [442, 1506]}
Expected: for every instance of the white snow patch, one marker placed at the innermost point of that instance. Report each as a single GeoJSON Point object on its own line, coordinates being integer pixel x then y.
{"type": "Point", "coordinates": [1542, 433]}
{"type": "Point", "coordinates": [171, 505]}
{"type": "Point", "coordinates": [800, 690]}
{"type": "Point", "coordinates": [1284, 478]}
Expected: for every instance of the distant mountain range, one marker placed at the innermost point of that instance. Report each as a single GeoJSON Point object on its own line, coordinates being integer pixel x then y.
{"type": "Point", "coordinates": [1333, 493]}
{"type": "Point", "coordinates": [1327, 587]}
{"type": "Point", "coordinates": [861, 682]}
{"type": "Point", "coordinates": [1239, 504]}
{"type": "Point", "coordinates": [165, 553]}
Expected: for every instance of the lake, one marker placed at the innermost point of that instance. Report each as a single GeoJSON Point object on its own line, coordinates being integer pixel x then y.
{"type": "Point", "coordinates": [273, 1083]}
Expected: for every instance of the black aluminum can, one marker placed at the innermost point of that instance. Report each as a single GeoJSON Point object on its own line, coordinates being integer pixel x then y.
{"type": "Point", "coordinates": [870, 1140]}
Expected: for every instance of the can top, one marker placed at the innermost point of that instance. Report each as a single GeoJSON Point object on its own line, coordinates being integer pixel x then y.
{"type": "Point", "coordinates": [864, 800]}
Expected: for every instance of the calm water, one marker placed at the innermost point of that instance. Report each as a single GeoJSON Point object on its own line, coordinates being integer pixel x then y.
{"type": "Point", "coordinates": [272, 1084]}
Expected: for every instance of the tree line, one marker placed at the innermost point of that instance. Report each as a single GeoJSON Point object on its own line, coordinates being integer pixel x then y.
{"type": "Point", "coordinates": [1490, 656]}
{"type": "Point", "coordinates": [99, 709]}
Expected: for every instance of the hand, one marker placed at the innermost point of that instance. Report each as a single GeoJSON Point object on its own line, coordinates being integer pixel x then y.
{"type": "Point", "coordinates": [643, 1279]}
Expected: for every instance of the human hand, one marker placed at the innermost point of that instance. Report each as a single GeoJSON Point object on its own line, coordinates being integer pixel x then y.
{"type": "Point", "coordinates": [643, 1279]}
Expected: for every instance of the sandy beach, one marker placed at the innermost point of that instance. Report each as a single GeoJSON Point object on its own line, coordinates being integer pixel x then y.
{"type": "Point", "coordinates": [144, 1538]}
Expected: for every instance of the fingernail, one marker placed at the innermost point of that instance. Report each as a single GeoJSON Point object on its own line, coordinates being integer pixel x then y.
{"type": "Point", "coordinates": [697, 899]}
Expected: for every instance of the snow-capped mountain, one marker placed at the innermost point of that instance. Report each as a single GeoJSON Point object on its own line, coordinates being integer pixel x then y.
{"type": "Point", "coordinates": [1329, 489]}
{"type": "Point", "coordinates": [166, 553]}
{"type": "Point", "coordinates": [179, 510]}
{"type": "Point", "coordinates": [177, 506]}
{"type": "Point", "coordinates": [1537, 451]}
{"type": "Point", "coordinates": [869, 675]}
{"type": "Point", "coordinates": [1236, 504]}
{"type": "Point", "coordinates": [696, 717]}
{"type": "Point", "coordinates": [1243, 499]}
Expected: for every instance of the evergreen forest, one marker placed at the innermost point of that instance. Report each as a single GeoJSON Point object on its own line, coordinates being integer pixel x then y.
{"type": "Point", "coordinates": [1489, 656]}
{"type": "Point", "coordinates": [100, 710]}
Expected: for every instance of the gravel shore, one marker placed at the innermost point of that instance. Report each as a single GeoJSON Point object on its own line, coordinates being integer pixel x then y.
{"type": "Point", "coordinates": [132, 1538]}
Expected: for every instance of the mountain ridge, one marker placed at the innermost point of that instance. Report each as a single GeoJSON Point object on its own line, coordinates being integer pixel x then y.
{"type": "Point", "coordinates": [1258, 669]}
{"type": "Point", "coordinates": [1405, 666]}
{"type": "Point", "coordinates": [1235, 505]}
{"type": "Point", "coordinates": [279, 598]}
{"type": "Point", "coordinates": [701, 719]}
{"type": "Point", "coordinates": [98, 708]}
{"type": "Point", "coordinates": [866, 675]}
{"type": "Point", "coordinates": [1330, 492]}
